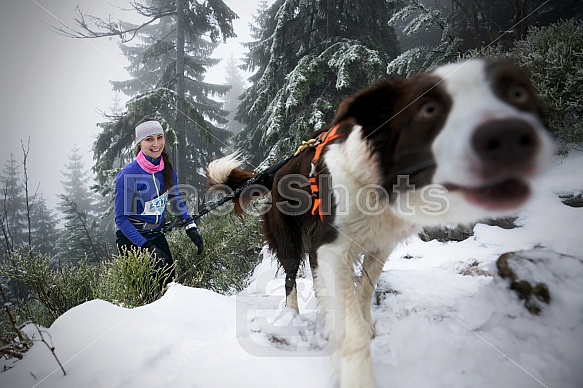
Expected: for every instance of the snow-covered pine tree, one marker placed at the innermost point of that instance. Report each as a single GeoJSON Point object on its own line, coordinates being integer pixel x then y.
{"type": "Point", "coordinates": [420, 16]}
{"type": "Point", "coordinates": [233, 78]}
{"type": "Point", "coordinates": [168, 65]}
{"type": "Point", "coordinates": [435, 32]}
{"type": "Point", "coordinates": [307, 56]}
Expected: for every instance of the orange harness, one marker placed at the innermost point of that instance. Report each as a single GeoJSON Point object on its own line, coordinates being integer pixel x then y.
{"type": "Point", "coordinates": [323, 139]}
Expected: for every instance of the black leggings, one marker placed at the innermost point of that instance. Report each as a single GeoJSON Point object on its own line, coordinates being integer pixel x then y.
{"type": "Point", "coordinates": [160, 241]}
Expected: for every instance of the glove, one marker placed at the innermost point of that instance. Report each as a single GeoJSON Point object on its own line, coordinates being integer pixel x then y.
{"type": "Point", "coordinates": [192, 233]}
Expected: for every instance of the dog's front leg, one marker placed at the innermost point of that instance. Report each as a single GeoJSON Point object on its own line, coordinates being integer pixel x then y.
{"type": "Point", "coordinates": [347, 329]}
{"type": "Point", "coordinates": [372, 267]}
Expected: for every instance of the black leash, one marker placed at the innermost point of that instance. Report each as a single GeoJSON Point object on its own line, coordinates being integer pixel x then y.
{"type": "Point", "coordinates": [212, 205]}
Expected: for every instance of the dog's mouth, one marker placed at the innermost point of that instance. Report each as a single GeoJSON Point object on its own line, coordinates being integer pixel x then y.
{"type": "Point", "coordinates": [503, 195]}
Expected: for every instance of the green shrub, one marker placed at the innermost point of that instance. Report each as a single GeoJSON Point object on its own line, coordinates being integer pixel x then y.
{"type": "Point", "coordinates": [232, 248]}
{"type": "Point", "coordinates": [56, 288]}
{"type": "Point", "coordinates": [33, 311]}
{"type": "Point", "coordinates": [554, 57]}
{"type": "Point", "coordinates": [131, 279]}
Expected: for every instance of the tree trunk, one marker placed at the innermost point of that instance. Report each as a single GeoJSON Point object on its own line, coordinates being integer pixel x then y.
{"type": "Point", "coordinates": [329, 20]}
{"type": "Point", "coordinates": [181, 114]}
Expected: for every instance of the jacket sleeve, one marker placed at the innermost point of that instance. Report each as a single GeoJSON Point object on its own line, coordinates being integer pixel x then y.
{"type": "Point", "coordinates": [124, 193]}
{"type": "Point", "coordinates": [177, 205]}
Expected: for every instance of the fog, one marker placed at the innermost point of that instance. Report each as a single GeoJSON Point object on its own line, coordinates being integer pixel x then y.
{"type": "Point", "coordinates": [53, 88]}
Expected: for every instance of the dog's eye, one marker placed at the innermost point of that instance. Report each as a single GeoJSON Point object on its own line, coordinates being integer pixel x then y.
{"type": "Point", "coordinates": [518, 94]}
{"type": "Point", "coordinates": [428, 110]}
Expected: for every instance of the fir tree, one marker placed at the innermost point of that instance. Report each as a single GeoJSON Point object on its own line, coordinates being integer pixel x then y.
{"type": "Point", "coordinates": [307, 56]}
{"type": "Point", "coordinates": [81, 238]}
{"type": "Point", "coordinates": [420, 57]}
{"type": "Point", "coordinates": [233, 78]}
{"type": "Point", "coordinates": [76, 184]}
{"type": "Point", "coordinates": [168, 66]}
{"type": "Point", "coordinates": [44, 227]}
{"type": "Point", "coordinates": [434, 32]}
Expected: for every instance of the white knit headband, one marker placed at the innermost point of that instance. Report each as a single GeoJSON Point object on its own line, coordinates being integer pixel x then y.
{"type": "Point", "coordinates": [148, 128]}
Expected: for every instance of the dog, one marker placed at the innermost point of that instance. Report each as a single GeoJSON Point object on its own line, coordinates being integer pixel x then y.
{"type": "Point", "coordinates": [456, 144]}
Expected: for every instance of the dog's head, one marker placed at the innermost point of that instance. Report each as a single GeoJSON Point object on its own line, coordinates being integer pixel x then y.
{"type": "Point", "coordinates": [460, 142]}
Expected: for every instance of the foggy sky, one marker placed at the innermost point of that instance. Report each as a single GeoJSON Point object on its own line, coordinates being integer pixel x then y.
{"type": "Point", "coordinates": [51, 86]}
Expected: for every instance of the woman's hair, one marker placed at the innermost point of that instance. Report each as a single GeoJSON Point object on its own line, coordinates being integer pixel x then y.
{"type": "Point", "coordinates": [167, 172]}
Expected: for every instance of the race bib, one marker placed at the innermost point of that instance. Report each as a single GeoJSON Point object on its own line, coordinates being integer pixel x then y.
{"type": "Point", "coordinates": [156, 206]}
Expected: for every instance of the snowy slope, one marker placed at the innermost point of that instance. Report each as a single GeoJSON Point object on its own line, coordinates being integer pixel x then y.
{"type": "Point", "coordinates": [443, 317]}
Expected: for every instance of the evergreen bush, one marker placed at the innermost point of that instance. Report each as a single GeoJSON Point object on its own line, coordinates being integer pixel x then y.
{"type": "Point", "coordinates": [554, 57]}
{"type": "Point", "coordinates": [33, 311]}
{"type": "Point", "coordinates": [131, 279]}
{"type": "Point", "coordinates": [232, 247]}
{"type": "Point", "coordinates": [57, 289]}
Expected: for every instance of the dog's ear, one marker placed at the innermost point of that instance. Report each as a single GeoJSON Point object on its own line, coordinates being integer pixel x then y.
{"type": "Point", "coordinates": [369, 107]}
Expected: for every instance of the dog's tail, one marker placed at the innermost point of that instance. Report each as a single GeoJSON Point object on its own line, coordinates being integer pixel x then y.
{"type": "Point", "coordinates": [223, 175]}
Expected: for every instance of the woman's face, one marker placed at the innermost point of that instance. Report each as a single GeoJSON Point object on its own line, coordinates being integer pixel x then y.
{"type": "Point", "coordinates": [153, 145]}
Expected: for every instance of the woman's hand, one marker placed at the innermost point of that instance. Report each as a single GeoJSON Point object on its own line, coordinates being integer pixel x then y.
{"type": "Point", "coordinates": [192, 233]}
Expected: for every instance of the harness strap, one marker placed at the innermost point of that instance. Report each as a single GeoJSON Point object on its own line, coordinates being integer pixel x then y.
{"type": "Point", "coordinates": [324, 139]}
{"type": "Point", "coordinates": [317, 143]}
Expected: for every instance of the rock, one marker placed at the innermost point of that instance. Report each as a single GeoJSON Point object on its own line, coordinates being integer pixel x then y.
{"type": "Point", "coordinates": [533, 274]}
{"type": "Point", "coordinates": [446, 233]}
{"type": "Point", "coordinates": [503, 222]}
{"type": "Point", "coordinates": [462, 232]}
{"type": "Point", "coordinates": [474, 270]}
{"type": "Point", "coordinates": [572, 200]}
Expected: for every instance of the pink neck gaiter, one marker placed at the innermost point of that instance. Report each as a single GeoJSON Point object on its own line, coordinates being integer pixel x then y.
{"type": "Point", "coordinates": [148, 166]}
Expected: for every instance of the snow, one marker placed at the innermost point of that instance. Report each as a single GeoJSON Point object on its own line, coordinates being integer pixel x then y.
{"type": "Point", "coordinates": [443, 316]}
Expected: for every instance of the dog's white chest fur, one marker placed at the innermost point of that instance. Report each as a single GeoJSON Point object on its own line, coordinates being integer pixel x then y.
{"type": "Point", "coordinates": [363, 211]}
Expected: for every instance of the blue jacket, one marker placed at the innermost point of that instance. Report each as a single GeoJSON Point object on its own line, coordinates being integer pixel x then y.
{"type": "Point", "coordinates": [138, 200]}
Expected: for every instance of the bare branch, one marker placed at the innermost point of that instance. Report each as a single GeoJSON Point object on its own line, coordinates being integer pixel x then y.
{"type": "Point", "coordinates": [89, 26]}
{"type": "Point", "coordinates": [51, 348]}
{"type": "Point", "coordinates": [4, 225]}
{"type": "Point", "coordinates": [25, 152]}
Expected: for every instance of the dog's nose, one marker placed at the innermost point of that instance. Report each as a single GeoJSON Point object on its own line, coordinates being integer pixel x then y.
{"type": "Point", "coordinates": [506, 143]}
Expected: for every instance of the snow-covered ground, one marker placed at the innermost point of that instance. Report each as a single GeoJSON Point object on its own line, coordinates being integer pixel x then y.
{"type": "Point", "coordinates": [443, 318]}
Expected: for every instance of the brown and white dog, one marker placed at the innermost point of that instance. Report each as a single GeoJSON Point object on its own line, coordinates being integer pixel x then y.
{"type": "Point", "coordinates": [456, 144]}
